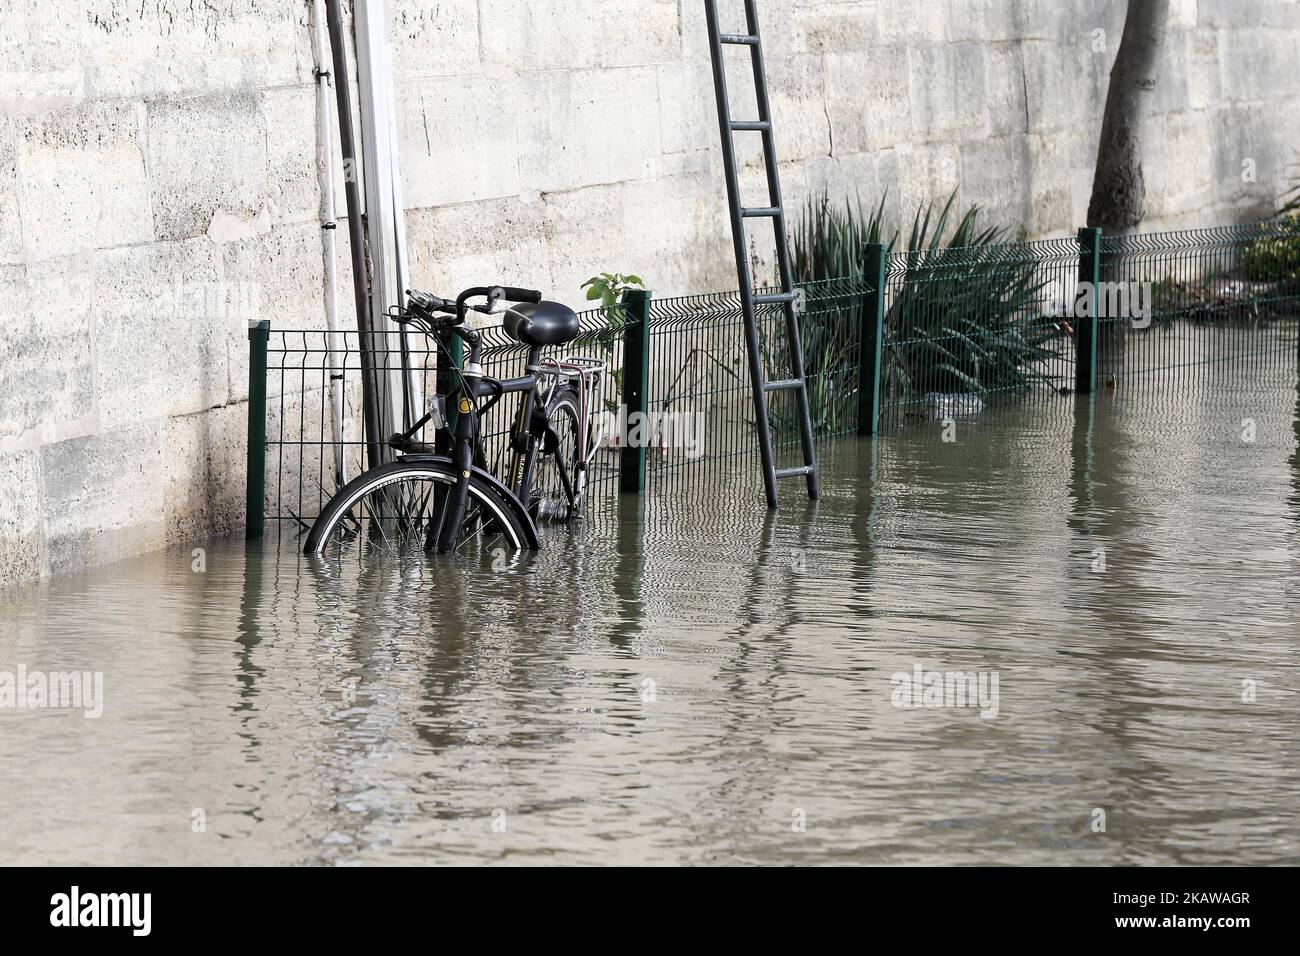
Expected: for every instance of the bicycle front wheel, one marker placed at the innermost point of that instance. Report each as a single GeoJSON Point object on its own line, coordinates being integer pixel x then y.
{"type": "Point", "coordinates": [396, 510]}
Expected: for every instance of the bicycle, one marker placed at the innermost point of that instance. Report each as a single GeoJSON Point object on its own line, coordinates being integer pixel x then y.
{"type": "Point", "coordinates": [442, 497]}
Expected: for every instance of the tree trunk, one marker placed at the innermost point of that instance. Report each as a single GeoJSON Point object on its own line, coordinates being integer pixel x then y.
{"type": "Point", "coordinates": [1118, 190]}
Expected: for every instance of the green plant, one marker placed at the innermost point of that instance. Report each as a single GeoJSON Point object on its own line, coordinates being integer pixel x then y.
{"type": "Point", "coordinates": [1291, 198]}
{"type": "Point", "coordinates": [828, 241]}
{"type": "Point", "coordinates": [1275, 257]}
{"type": "Point", "coordinates": [608, 288]}
{"type": "Point", "coordinates": [826, 250]}
{"type": "Point", "coordinates": [965, 318]}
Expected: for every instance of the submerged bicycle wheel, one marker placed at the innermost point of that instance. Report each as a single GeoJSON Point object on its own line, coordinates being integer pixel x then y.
{"type": "Point", "coordinates": [547, 457]}
{"type": "Point", "coordinates": [397, 509]}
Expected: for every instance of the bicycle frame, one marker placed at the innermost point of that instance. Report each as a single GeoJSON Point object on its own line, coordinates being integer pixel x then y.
{"type": "Point", "coordinates": [466, 450]}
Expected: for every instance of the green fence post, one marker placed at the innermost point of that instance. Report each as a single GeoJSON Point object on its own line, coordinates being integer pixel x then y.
{"type": "Point", "coordinates": [1085, 332]}
{"type": "Point", "coordinates": [259, 338]}
{"type": "Point", "coordinates": [871, 339]}
{"type": "Point", "coordinates": [636, 380]}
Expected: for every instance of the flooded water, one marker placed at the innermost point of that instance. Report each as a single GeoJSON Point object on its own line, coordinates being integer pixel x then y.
{"type": "Point", "coordinates": [689, 681]}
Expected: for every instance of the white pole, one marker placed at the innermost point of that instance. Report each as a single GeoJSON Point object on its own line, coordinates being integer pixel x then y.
{"type": "Point", "coordinates": [325, 163]}
{"type": "Point", "coordinates": [368, 22]}
{"type": "Point", "coordinates": [414, 389]}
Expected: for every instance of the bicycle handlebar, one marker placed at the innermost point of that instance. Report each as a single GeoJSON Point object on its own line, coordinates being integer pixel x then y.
{"type": "Point", "coordinates": [425, 303]}
{"type": "Point", "coordinates": [513, 294]}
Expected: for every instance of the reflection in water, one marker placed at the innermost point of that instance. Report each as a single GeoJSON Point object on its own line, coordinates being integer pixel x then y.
{"type": "Point", "coordinates": [686, 678]}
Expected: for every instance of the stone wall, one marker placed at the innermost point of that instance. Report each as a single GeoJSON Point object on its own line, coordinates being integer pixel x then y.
{"type": "Point", "coordinates": [158, 186]}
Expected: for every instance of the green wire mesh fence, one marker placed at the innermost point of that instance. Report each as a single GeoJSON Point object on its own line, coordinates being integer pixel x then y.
{"type": "Point", "coordinates": [963, 331]}
{"type": "Point", "coordinates": [311, 449]}
{"type": "Point", "coordinates": [310, 373]}
{"type": "Point", "coordinates": [696, 417]}
{"type": "Point", "coordinates": [974, 326]}
{"type": "Point", "coordinates": [699, 379]}
{"type": "Point", "coordinates": [1197, 305]}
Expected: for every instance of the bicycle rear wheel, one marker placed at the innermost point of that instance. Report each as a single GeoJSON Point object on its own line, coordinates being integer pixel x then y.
{"type": "Point", "coordinates": [552, 455]}
{"type": "Point", "coordinates": [395, 511]}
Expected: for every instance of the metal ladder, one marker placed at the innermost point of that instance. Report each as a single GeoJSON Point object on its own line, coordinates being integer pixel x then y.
{"type": "Point", "coordinates": [776, 213]}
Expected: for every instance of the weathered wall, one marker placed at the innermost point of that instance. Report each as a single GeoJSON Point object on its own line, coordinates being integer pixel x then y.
{"type": "Point", "coordinates": [158, 186]}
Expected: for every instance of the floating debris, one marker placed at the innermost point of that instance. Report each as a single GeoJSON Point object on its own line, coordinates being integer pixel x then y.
{"type": "Point", "coordinates": [942, 405]}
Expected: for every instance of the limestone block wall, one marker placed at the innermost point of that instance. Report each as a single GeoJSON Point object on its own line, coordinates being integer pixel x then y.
{"type": "Point", "coordinates": [159, 186]}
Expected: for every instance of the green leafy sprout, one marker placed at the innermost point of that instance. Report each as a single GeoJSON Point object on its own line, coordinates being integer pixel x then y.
{"type": "Point", "coordinates": [608, 288]}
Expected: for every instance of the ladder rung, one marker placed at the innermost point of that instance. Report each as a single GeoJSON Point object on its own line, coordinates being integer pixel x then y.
{"type": "Point", "coordinates": [746, 40]}
{"type": "Point", "coordinates": [792, 472]}
{"type": "Point", "coordinates": [759, 126]}
{"type": "Point", "coordinates": [755, 212]}
{"type": "Point", "coordinates": [773, 298]}
{"type": "Point", "coordinates": [782, 385]}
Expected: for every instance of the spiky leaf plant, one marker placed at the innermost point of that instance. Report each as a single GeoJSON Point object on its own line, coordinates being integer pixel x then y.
{"type": "Point", "coordinates": [965, 318]}
{"type": "Point", "coordinates": [827, 252]}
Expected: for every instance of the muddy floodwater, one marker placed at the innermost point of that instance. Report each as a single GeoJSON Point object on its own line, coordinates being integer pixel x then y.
{"type": "Point", "coordinates": [688, 680]}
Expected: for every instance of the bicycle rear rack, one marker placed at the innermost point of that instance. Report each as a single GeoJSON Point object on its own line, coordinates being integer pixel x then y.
{"type": "Point", "coordinates": [587, 373]}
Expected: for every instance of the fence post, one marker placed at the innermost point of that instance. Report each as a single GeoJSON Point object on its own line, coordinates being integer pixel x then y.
{"type": "Point", "coordinates": [1085, 333]}
{"type": "Point", "coordinates": [259, 337]}
{"type": "Point", "coordinates": [636, 380]}
{"type": "Point", "coordinates": [871, 339]}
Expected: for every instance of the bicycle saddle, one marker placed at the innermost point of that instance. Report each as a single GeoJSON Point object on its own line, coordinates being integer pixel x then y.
{"type": "Point", "coordinates": [542, 323]}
